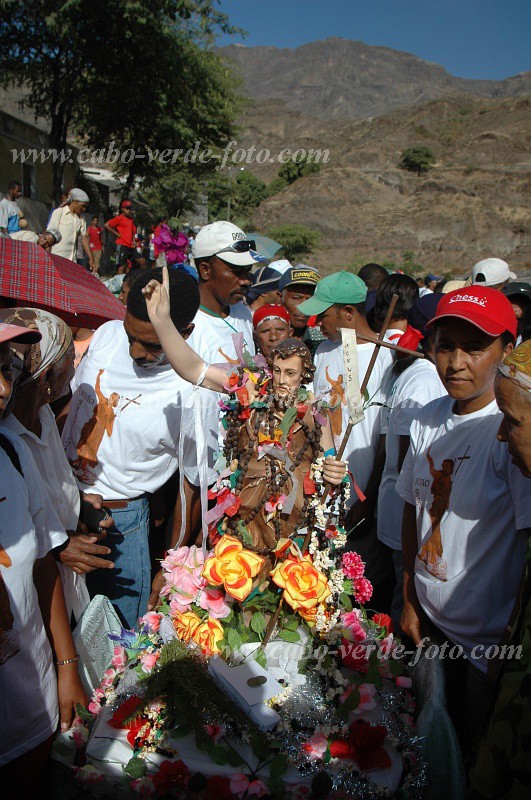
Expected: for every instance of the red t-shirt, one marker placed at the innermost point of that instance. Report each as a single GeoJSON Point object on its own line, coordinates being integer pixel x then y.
{"type": "Point", "coordinates": [94, 234]}
{"type": "Point", "coordinates": [126, 229]}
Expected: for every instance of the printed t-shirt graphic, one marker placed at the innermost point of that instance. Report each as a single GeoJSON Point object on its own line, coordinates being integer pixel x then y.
{"type": "Point", "coordinates": [100, 423]}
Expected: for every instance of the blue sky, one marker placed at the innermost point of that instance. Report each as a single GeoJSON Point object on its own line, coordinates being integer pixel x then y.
{"type": "Point", "coordinates": [470, 38]}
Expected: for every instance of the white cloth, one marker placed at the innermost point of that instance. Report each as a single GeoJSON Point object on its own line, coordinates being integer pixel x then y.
{"type": "Point", "coordinates": [470, 589]}
{"type": "Point", "coordinates": [71, 227]}
{"type": "Point", "coordinates": [413, 389]}
{"type": "Point", "coordinates": [28, 686]}
{"type": "Point", "coordinates": [212, 340]}
{"type": "Point", "coordinates": [56, 474]}
{"type": "Point", "coordinates": [26, 236]}
{"type": "Point", "coordinates": [9, 215]}
{"type": "Point", "coordinates": [132, 446]}
{"type": "Point", "coordinates": [363, 441]}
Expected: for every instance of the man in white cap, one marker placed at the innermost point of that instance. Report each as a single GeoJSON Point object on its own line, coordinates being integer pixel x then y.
{"type": "Point", "coordinates": [68, 219]}
{"type": "Point", "coordinates": [492, 272]}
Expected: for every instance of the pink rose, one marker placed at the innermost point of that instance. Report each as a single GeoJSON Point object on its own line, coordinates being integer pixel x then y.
{"type": "Point", "coordinates": [215, 732]}
{"type": "Point", "coordinates": [148, 661]}
{"type": "Point", "coordinates": [257, 789]}
{"type": "Point", "coordinates": [215, 602]}
{"type": "Point", "coordinates": [352, 629]}
{"type": "Point", "coordinates": [152, 620]}
{"type": "Point", "coordinates": [316, 746]}
{"type": "Point", "coordinates": [367, 701]}
{"type": "Point", "coordinates": [239, 784]}
{"type": "Point", "coordinates": [143, 787]}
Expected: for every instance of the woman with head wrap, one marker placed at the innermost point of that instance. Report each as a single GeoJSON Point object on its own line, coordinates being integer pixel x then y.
{"type": "Point", "coordinates": [34, 627]}
{"type": "Point", "coordinates": [502, 767]}
{"type": "Point", "coordinates": [44, 373]}
{"type": "Point", "coordinates": [68, 219]}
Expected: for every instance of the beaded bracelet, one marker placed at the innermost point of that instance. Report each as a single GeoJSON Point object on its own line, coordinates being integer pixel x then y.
{"type": "Point", "coordinates": [67, 661]}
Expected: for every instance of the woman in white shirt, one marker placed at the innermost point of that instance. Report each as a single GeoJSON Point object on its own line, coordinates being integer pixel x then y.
{"type": "Point", "coordinates": [466, 514]}
{"type": "Point", "coordinates": [68, 219]}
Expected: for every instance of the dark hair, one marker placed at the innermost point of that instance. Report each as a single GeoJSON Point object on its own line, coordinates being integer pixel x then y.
{"type": "Point", "coordinates": [131, 276]}
{"type": "Point", "coordinates": [507, 338]}
{"type": "Point", "coordinates": [184, 296]}
{"type": "Point", "coordinates": [13, 184]}
{"type": "Point", "coordinates": [407, 290]}
{"type": "Point", "coordinates": [372, 275]}
{"type": "Point", "coordinates": [525, 328]}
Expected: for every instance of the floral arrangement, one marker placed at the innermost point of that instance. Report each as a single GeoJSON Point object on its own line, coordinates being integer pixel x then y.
{"type": "Point", "coordinates": [173, 245]}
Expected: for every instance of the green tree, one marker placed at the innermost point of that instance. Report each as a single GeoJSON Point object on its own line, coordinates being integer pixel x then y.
{"type": "Point", "coordinates": [276, 185]}
{"type": "Point", "coordinates": [139, 72]}
{"type": "Point", "coordinates": [297, 240]}
{"type": "Point", "coordinates": [297, 168]}
{"type": "Point", "coordinates": [245, 193]}
{"type": "Point", "coordinates": [417, 159]}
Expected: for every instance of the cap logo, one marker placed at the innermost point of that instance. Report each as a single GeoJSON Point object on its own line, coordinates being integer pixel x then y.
{"type": "Point", "coordinates": [298, 274]}
{"type": "Point", "coordinates": [468, 298]}
{"type": "Point", "coordinates": [239, 236]}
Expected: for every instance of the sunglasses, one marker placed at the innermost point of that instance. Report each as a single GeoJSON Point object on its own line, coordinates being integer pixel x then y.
{"type": "Point", "coordinates": [240, 246]}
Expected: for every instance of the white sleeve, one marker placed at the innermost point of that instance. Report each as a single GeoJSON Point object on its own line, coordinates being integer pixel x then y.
{"type": "Point", "coordinates": [50, 532]}
{"type": "Point", "coordinates": [3, 213]}
{"type": "Point", "coordinates": [55, 218]}
{"type": "Point", "coordinates": [404, 484]}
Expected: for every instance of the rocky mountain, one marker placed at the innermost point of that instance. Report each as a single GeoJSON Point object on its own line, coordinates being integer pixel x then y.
{"type": "Point", "coordinates": [342, 79]}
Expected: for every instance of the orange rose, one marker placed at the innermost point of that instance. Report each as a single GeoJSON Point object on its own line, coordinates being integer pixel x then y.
{"type": "Point", "coordinates": [232, 567]}
{"type": "Point", "coordinates": [185, 624]}
{"type": "Point", "coordinates": [304, 586]}
{"type": "Point", "coordinates": [207, 635]}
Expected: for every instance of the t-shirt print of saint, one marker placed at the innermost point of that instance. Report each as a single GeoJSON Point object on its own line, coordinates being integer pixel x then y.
{"type": "Point", "coordinates": [431, 551]}
{"type": "Point", "coordinates": [337, 398]}
{"type": "Point", "coordinates": [100, 423]}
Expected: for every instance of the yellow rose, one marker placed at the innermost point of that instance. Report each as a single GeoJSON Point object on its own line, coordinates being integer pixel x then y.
{"type": "Point", "coordinates": [207, 635]}
{"type": "Point", "coordinates": [304, 586]}
{"type": "Point", "coordinates": [232, 567]}
{"type": "Point", "coordinates": [185, 624]}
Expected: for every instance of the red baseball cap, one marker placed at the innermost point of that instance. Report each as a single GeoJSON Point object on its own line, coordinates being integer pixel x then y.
{"type": "Point", "coordinates": [16, 333]}
{"type": "Point", "coordinates": [487, 309]}
{"type": "Point", "coordinates": [126, 203]}
{"type": "Point", "coordinates": [273, 311]}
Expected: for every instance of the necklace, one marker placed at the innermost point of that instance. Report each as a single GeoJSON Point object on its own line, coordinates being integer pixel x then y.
{"type": "Point", "coordinates": [215, 314]}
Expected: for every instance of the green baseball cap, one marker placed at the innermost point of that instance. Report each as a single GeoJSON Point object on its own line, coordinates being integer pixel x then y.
{"type": "Point", "coordinates": [341, 287]}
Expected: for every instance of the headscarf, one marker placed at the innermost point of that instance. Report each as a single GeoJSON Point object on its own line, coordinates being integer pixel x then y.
{"type": "Point", "coordinates": [56, 339]}
{"type": "Point", "coordinates": [517, 366]}
{"type": "Point", "coordinates": [272, 311]}
{"type": "Point", "coordinates": [79, 195]}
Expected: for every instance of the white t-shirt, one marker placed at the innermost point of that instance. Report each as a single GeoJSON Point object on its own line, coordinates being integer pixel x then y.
{"type": "Point", "coordinates": [469, 574]}
{"type": "Point", "coordinates": [413, 389]}
{"type": "Point", "coordinates": [212, 340]}
{"type": "Point", "coordinates": [9, 215]}
{"type": "Point", "coordinates": [122, 431]}
{"type": "Point", "coordinates": [329, 383]}
{"type": "Point", "coordinates": [60, 484]}
{"type": "Point", "coordinates": [28, 685]}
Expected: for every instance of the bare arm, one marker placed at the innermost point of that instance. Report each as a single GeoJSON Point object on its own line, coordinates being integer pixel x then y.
{"type": "Point", "coordinates": [88, 252]}
{"type": "Point", "coordinates": [53, 609]}
{"type": "Point", "coordinates": [185, 361]}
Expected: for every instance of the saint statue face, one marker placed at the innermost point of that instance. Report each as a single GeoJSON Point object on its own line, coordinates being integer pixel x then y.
{"type": "Point", "coordinates": [287, 376]}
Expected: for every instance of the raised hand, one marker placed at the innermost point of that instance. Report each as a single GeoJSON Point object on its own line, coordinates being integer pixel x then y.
{"type": "Point", "coordinates": [158, 299]}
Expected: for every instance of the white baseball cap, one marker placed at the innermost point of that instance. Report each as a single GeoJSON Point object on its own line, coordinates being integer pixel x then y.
{"type": "Point", "coordinates": [228, 242]}
{"type": "Point", "coordinates": [491, 271]}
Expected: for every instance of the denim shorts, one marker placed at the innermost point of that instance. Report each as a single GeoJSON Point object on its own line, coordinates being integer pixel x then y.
{"type": "Point", "coordinates": [128, 585]}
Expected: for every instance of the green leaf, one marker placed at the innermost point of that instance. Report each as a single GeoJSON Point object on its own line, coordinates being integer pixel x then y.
{"type": "Point", "coordinates": [259, 747]}
{"type": "Point", "coordinates": [277, 788]}
{"type": "Point", "coordinates": [234, 759]}
{"type": "Point", "coordinates": [258, 622]}
{"type": "Point", "coordinates": [260, 657]}
{"type": "Point", "coordinates": [289, 636]}
{"type": "Point", "coordinates": [345, 602]}
{"type": "Point", "coordinates": [83, 713]}
{"type": "Point", "coordinates": [218, 755]}
{"type": "Point", "coordinates": [278, 765]}
{"type": "Point", "coordinates": [352, 701]}
{"type": "Point", "coordinates": [180, 731]}
{"type": "Point", "coordinates": [234, 639]}
{"type": "Point", "coordinates": [136, 767]}
{"type": "Point", "coordinates": [291, 625]}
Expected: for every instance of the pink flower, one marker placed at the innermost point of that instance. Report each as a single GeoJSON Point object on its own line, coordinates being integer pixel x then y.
{"type": "Point", "coordinates": [257, 789]}
{"type": "Point", "coordinates": [143, 787]}
{"type": "Point", "coordinates": [79, 736]}
{"type": "Point", "coordinates": [362, 590]}
{"type": "Point", "coordinates": [367, 701]}
{"type": "Point", "coordinates": [119, 659]}
{"type": "Point", "coordinates": [108, 678]}
{"type": "Point", "coordinates": [215, 602]}
{"type": "Point", "coordinates": [215, 732]}
{"type": "Point", "coordinates": [352, 565]}
{"type": "Point", "coordinates": [88, 774]}
{"type": "Point", "coordinates": [316, 747]}
{"type": "Point", "coordinates": [152, 620]}
{"type": "Point", "coordinates": [405, 683]}
{"type": "Point", "coordinates": [239, 784]}
{"type": "Point", "coordinates": [95, 705]}
{"type": "Point", "coordinates": [184, 582]}
{"type": "Point", "coordinates": [148, 661]}
{"type": "Point", "coordinates": [387, 645]}
{"type": "Point", "coordinates": [352, 629]}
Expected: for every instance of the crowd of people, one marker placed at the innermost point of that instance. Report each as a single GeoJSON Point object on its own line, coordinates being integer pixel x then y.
{"type": "Point", "coordinates": [110, 439]}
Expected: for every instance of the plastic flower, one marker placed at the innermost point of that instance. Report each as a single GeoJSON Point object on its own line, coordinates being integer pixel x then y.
{"type": "Point", "coordinates": [143, 787]}
{"type": "Point", "coordinates": [148, 661]}
{"type": "Point", "coordinates": [362, 590]}
{"type": "Point", "coordinates": [232, 567]}
{"type": "Point", "coordinates": [352, 629]}
{"type": "Point", "coordinates": [207, 635]}
{"type": "Point", "coordinates": [185, 624]}
{"type": "Point", "coordinates": [366, 701]}
{"type": "Point", "coordinates": [183, 576]}
{"type": "Point", "coordinates": [304, 586]}
{"type": "Point", "coordinates": [88, 774]}
{"type": "Point", "coordinates": [316, 746]}
{"type": "Point", "coordinates": [352, 565]}
{"type": "Point", "coordinates": [119, 658]}
{"type": "Point", "coordinates": [152, 620]}
{"type": "Point", "coordinates": [170, 775]}
{"type": "Point", "coordinates": [384, 621]}
{"type": "Point", "coordinates": [215, 602]}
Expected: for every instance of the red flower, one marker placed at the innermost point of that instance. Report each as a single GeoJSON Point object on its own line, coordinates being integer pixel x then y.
{"type": "Point", "coordinates": [354, 656]}
{"type": "Point", "coordinates": [384, 621]}
{"type": "Point", "coordinates": [366, 743]}
{"type": "Point", "coordinates": [218, 788]}
{"type": "Point", "coordinates": [130, 708]}
{"type": "Point", "coordinates": [171, 774]}
{"type": "Point", "coordinates": [340, 749]}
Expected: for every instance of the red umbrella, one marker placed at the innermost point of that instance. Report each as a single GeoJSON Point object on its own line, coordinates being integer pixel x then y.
{"type": "Point", "coordinates": [32, 277]}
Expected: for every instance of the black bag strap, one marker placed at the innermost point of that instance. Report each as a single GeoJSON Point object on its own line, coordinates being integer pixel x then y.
{"type": "Point", "coordinates": [10, 451]}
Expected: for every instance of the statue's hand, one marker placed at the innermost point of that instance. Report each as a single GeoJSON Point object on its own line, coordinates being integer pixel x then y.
{"type": "Point", "coordinates": [334, 471]}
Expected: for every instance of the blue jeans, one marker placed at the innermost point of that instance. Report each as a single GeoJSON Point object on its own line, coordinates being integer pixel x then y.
{"type": "Point", "coordinates": [128, 585]}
